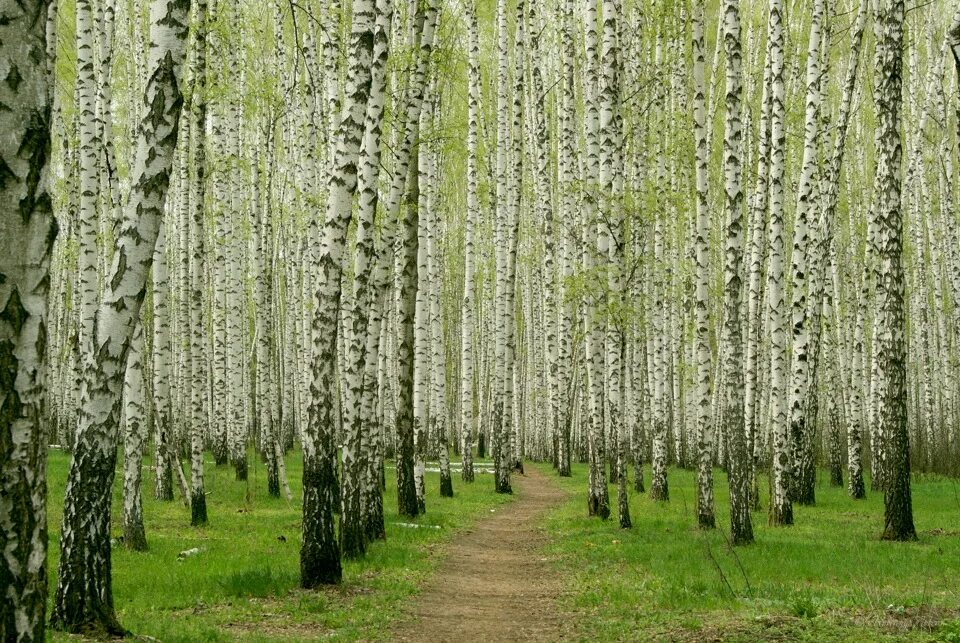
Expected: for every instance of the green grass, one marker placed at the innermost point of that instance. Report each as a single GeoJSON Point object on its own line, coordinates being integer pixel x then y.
{"type": "Point", "coordinates": [243, 585]}
{"type": "Point", "coordinates": [827, 578]}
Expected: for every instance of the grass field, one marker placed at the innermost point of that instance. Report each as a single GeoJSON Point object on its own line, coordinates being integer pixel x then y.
{"type": "Point", "coordinates": [827, 578]}
{"type": "Point", "coordinates": [243, 583]}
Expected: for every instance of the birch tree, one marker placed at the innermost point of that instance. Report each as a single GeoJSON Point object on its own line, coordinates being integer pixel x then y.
{"type": "Point", "coordinates": [741, 529]}
{"type": "Point", "coordinates": [889, 345]}
{"type": "Point", "coordinates": [467, 330]}
{"type": "Point", "coordinates": [781, 509]}
{"type": "Point", "coordinates": [320, 551]}
{"type": "Point", "coordinates": [84, 599]}
{"type": "Point", "coordinates": [705, 508]}
{"type": "Point", "coordinates": [27, 233]}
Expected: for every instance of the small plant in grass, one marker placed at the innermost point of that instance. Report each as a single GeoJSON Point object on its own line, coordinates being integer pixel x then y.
{"type": "Point", "coordinates": [803, 606]}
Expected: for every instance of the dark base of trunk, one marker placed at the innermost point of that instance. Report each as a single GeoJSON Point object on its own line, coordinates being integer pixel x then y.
{"type": "Point", "coordinates": [320, 574]}
{"type": "Point", "coordinates": [565, 471]}
{"type": "Point", "coordinates": [446, 485]}
{"type": "Point", "coordinates": [320, 551]}
{"type": "Point", "coordinates": [836, 476]}
{"type": "Point", "coordinates": [781, 516]}
{"type": "Point", "coordinates": [899, 532]}
{"type": "Point", "coordinates": [598, 506]}
{"type": "Point", "coordinates": [741, 529]}
{"type": "Point", "coordinates": [503, 485]}
{"type": "Point", "coordinates": [352, 541]}
{"type": "Point", "coordinates": [898, 505]}
{"type": "Point", "coordinates": [164, 488]}
{"type": "Point", "coordinates": [240, 467]}
{"type": "Point", "coordinates": [741, 536]}
{"type": "Point", "coordinates": [518, 466]}
{"type": "Point", "coordinates": [99, 627]}
{"type": "Point", "coordinates": [198, 509]}
{"type": "Point", "coordinates": [857, 490]}
{"type": "Point", "coordinates": [481, 447]}
{"type": "Point", "coordinates": [706, 520]}
{"type": "Point", "coordinates": [806, 497]}
{"type": "Point", "coordinates": [754, 491]}
{"type": "Point", "coordinates": [273, 484]}
{"type": "Point", "coordinates": [374, 528]}
{"type": "Point", "coordinates": [660, 490]}
{"type": "Point", "coordinates": [134, 537]}
{"type": "Point", "coordinates": [466, 473]}
{"type": "Point", "coordinates": [407, 504]}
{"type": "Point", "coordinates": [623, 504]}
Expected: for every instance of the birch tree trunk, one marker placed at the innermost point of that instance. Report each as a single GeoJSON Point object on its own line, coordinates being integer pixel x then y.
{"type": "Point", "coordinates": [566, 147]}
{"type": "Point", "coordinates": [406, 174]}
{"type": "Point", "coordinates": [27, 233]}
{"type": "Point", "coordinates": [438, 403]}
{"type": "Point", "coordinates": [705, 505]}
{"type": "Point", "coordinates": [320, 551]}
{"type": "Point", "coordinates": [781, 510]}
{"type": "Point", "coordinates": [804, 472]}
{"type": "Point", "coordinates": [199, 420]}
{"type": "Point", "coordinates": [738, 466]}
{"type": "Point", "coordinates": [421, 328]}
{"type": "Point", "coordinates": [84, 600]}
{"type": "Point", "coordinates": [598, 503]}
{"type": "Point", "coordinates": [467, 393]}
{"type": "Point", "coordinates": [889, 341]}
{"type": "Point", "coordinates": [162, 403]}
{"type": "Point", "coordinates": [611, 182]}
{"type": "Point", "coordinates": [356, 450]}
{"type": "Point", "coordinates": [504, 377]}
{"type": "Point", "coordinates": [135, 435]}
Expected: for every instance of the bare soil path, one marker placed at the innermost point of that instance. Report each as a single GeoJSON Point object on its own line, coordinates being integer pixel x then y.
{"type": "Point", "coordinates": [495, 583]}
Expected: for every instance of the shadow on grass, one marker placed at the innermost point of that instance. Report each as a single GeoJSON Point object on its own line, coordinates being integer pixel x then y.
{"type": "Point", "coordinates": [257, 583]}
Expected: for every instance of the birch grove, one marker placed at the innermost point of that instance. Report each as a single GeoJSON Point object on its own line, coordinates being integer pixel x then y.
{"type": "Point", "coordinates": [378, 240]}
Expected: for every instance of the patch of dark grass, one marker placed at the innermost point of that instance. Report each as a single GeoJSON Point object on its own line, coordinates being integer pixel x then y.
{"type": "Point", "coordinates": [259, 583]}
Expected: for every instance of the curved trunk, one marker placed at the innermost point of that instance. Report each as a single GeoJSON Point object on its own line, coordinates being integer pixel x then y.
{"type": "Point", "coordinates": [84, 600]}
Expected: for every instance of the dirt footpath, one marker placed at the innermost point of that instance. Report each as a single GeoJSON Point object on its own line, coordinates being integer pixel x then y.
{"type": "Point", "coordinates": [494, 583]}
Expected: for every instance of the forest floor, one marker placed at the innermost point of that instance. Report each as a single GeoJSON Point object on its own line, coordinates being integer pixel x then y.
{"type": "Point", "coordinates": [241, 581]}
{"type": "Point", "coordinates": [495, 582]}
{"type": "Point", "coordinates": [829, 577]}
{"type": "Point", "coordinates": [484, 566]}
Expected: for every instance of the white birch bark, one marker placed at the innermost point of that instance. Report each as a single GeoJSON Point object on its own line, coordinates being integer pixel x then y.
{"type": "Point", "coordinates": [705, 503]}
{"type": "Point", "coordinates": [84, 598]}
{"type": "Point", "coordinates": [467, 392]}
{"type": "Point", "coordinates": [134, 437]}
{"type": "Point", "coordinates": [355, 449]}
{"type": "Point", "coordinates": [27, 233]}
{"type": "Point", "coordinates": [781, 513]}
{"type": "Point", "coordinates": [738, 462]}
{"type": "Point", "coordinates": [162, 373]}
{"type": "Point", "coordinates": [804, 473]}
{"type": "Point", "coordinates": [597, 499]}
{"type": "Point", "coordinates": [320, 551]}
{"type": "Point", "coordinates": [405, 176]}
{"type": "Point", "coordinates": [889, 340]}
